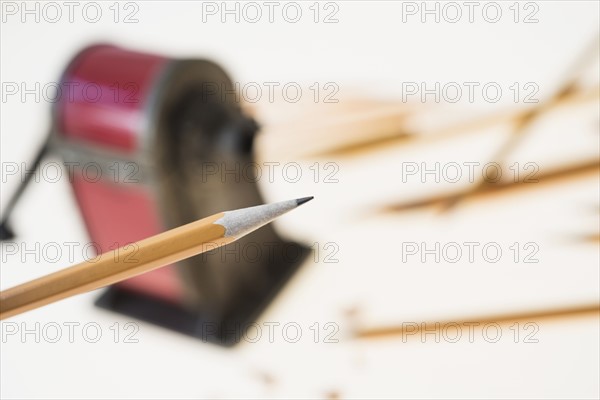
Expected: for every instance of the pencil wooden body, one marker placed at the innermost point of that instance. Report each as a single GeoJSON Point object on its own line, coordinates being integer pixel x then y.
{"type": "Point", "coordinates": [130, 260]}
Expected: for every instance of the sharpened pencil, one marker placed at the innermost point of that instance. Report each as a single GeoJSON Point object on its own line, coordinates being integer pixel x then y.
{"type": "Point", "coordinates": [143, 256]}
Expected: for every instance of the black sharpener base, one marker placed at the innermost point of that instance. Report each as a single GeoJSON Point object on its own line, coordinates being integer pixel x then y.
{"type": "Point", "coordinates": [226, 330]}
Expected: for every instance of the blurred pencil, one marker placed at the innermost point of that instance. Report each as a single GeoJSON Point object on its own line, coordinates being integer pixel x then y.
{"type": "Point", "coordinates": [143, 256]}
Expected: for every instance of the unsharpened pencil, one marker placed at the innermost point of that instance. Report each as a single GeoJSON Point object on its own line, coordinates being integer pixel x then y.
{"type": "Point", "coordinates": [143, 256]}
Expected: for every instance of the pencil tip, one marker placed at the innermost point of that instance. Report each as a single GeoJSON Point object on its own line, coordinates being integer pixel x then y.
{"type": "Point", "coordinates": [304, 200]}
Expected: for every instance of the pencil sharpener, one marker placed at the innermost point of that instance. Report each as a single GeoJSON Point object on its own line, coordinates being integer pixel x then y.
{"type": "Point", "coordinates": [144, 135]}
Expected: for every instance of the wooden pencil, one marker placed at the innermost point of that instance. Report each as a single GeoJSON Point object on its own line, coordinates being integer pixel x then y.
{"type": "Point", "coordinates": [143, 256]}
